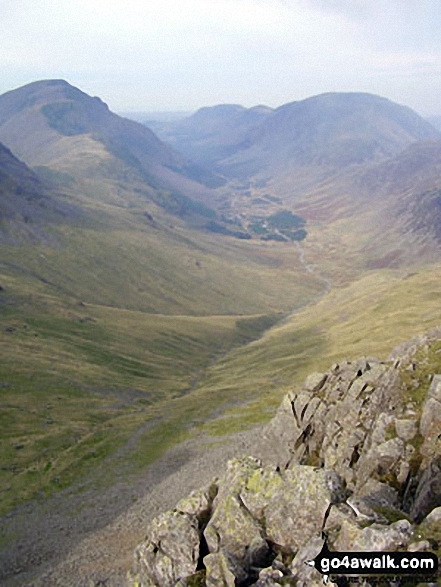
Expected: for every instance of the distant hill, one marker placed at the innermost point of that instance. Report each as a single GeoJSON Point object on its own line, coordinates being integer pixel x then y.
{"type": "Point", "coordinates": [333, 131]}
{"type": "Point", "coordinates": [53, 124]}
{"type": "Point", "coordinates": [158, 116]}
{"type": "Point", "coordinates": [213, 133]}
{"type": "Point", "coordinates": [320, 135]}
{"type": "Point", "coordinates": [409, 186]}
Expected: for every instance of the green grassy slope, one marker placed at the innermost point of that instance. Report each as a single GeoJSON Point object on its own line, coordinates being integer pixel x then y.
{"type": "Point", "coordinates": [368, 317]}
{"type": "Point", "coordinates": [108, 322]}
{"type": "Point", "coordinates": [77, 381]}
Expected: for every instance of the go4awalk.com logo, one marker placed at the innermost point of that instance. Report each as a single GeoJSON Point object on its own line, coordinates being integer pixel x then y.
{"type": "Point", "coordinates": [328, 563]}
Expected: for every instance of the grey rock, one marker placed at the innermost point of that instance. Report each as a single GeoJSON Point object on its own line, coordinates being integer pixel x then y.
{"type": "Point", "coordinates": [218, 571]}
{"type": "Point", "coordinates": [293, 504]}
{"type": "Point", "coordinates": [232, 528]}
{"type": "Point", "coordinates": [315, 382]}
{"type": "Point", "coordinates": [435, 388]}
{"type": "Point", "coordinates": [170, 551]}
{"type": "Point", "coordinates": [389, 452]}
{"type": "Point", "coordinates": [282, 434]}
{"type": "Point", "coordinates": [431, 414]}
{"type": "Point", "coordinates": [199, 502]}
{"type": "Point", "coordinates": [374, 537]}
{"type": "Point", "coordinates": [303, 573]}
{"type": "Point", "coordinates": [364, 512]}
{"type": "Point", "coordinates": [419, 546]}
{"type": "Point", "coordinates": [376, 493]}
{"type": "Point", "coordinates": [406, 429]}
{"type": "Point", "coordinates": [434, 517]}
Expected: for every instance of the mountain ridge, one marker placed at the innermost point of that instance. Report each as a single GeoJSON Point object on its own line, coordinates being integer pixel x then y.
{"type": "Point", "coordinates": [331, 131]}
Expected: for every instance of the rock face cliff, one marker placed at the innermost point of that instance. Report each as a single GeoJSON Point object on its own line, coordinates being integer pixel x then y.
{"type": "Point", "coordinates": [353, 456]}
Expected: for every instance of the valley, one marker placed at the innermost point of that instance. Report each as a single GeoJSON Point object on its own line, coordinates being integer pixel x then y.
{"type": "Point", "coordinates": [157, 291]}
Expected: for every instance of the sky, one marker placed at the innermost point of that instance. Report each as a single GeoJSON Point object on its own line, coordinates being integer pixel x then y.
{"type": "Point", "coordinates": [159, 55]}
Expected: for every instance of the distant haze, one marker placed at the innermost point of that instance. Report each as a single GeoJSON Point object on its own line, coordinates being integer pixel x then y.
{"type": "Point", "coordinates": [179, 55]}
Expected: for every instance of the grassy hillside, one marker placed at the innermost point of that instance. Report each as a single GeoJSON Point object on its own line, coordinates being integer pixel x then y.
{"type": "Point", "coordinates": [368, 317]}
{"type": "Point", "coordinates": [77, 381]}
{"type": "Point", "coordinates": [106, 326]}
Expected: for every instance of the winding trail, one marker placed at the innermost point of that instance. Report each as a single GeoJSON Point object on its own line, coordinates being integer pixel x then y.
{"type": "Point", "coordinates": [310, 269]}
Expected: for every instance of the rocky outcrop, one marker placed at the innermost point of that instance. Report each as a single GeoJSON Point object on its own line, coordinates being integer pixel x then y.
{"type": "Point", "coordinates": [353, 456]}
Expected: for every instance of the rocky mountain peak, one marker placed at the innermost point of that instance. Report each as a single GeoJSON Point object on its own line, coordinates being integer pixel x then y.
{"type": "Point", "coordinates": [354, 455]}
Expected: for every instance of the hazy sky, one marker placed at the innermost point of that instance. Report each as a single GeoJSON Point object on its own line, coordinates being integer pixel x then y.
{"type": "Point", "coordinates": [183, 54]}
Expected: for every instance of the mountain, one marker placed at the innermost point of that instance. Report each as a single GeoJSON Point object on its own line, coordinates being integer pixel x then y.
{"type": "Point", "coordinates": [54, 125]}
{"type": "Point", "coordinates": [213, 133]}
{"type": "Point", "coordinates": [150, 118]}
{"type": "Point", "coordinates": [315, 137]}
{"type": "Point", "coordinates": [331, 131]}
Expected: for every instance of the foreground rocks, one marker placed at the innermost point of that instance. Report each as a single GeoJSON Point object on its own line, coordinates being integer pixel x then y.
{"type": "Point", "coordinates": [353, 456]}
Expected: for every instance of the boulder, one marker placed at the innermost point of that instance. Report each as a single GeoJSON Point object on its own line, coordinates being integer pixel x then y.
{"type": "Point", "coordinates": [304, 574]}
{"type": "Point", "coordinates": [315, 382]}
{"type": "Point", "coordinates": [170, 551]}
{"type": "Point", "coordinates": [218, 571]}
{"type": "Point", "coordinates": [232, 527]}
{"type": "Point", "coordinates": [291, 505]}
{"type": "Point", "coordinates": [431, 414]}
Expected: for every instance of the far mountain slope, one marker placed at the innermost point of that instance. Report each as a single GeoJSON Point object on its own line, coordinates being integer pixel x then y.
{"type": "Point", "coordinates": [27, 205]}
{"type": "Point", "coordinates": [213, 133]}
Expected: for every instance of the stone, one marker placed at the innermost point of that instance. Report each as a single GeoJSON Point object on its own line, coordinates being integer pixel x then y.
{"type": "Point", "coordinates": [418, 546]}
{"type": "Point", "coordinates": [363, 511]}
{"type": "Point", "coordinates": [303, 573]}
{"type": "Point", "coordinates": [218, 571]}
{"type": "Point", "coordinates": [281, 434]}
{"type": "Point", "coordinates": [231, 527]}
{"type": "Point", "coordinates": [170, 551]}
{"type": "Point", "coordinates": [406, 429]}
{"type": "Point", "coordinates": [376, 493]}
{"type": "Point", "coordinates": [199, 502]}
{"type": "Point", "coordinates": [431, 413]}
{"type": "Point", "coordinates": [434, 517]}
{"type": "Point", "coordinates": [435, 388]}
{"type": "Point", "coordinates": [379, 537]}
{"type": "Point", "coordinates": [294, 504]}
